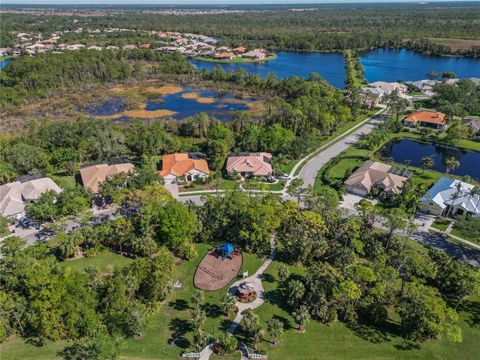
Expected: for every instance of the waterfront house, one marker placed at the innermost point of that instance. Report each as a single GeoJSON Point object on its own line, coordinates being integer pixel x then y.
{"type": "Point", "coordinates": [474, 124]}
{"type": "Point", "coordinates": [239, 50]}
{"type": "Point", "coordinates": [224, 56]}
{"type": "Point", "coordinates": [389, 88]}
{"type": "Point", "coordinates": [93, 176]}
{"type": "Point", "coordinates": [375, 174]}
{"type": "Point", "coordinates": [250, 164]}
{"type": "Point", "coordinates": [14, 195]}
{"type": "Point", "coordinates": [431, 119]}
{"type": "Point", "coordinates": [450, 197]}
{"type": "Point", "coordinates": [256, 54]}
{"type": "Point", "coordinates": [182, 165]}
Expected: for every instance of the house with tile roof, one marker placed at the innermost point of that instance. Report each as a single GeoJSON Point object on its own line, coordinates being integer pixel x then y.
{"type": "Point", "coordinates": [450, 197]}
{"type": "Point", "coordinates": [181, 165]}
{"type": "Point", "coordinates": [375, 174]}
{"type": "Point", "coordinates": [14, 195]}
{"type": "Point", "coordinates": [431, 119]}
{"type": "Point", "coordinates": [256, 54]}
{"type": "Point", "coordinates": [93, 176]}
{"type": "Point", "coordinates": [250, 164]}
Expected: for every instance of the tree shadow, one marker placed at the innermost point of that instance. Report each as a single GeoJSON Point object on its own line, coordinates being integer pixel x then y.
{"type": "Point", "coordinates": [407, 345]}
{"type": "Point", "coordinates": [268, 278]}
{"type": "Point", "coordinates": [179, 328]}
{"type": "Point", "coordinates": [179, 304]}
{"type": "Point", "coordinates": [212, 310]}
{"type": "Point", "coordinates": [35, 341]}
{"type": "Point", "coordinates": [225, 324]}
{"type": "Point", "coordinates": [368, 333]}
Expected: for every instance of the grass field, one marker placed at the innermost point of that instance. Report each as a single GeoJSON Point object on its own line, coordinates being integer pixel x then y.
{"type": "Point", "coordinates": [173, 317]}
{"type": "Point", "coordinates": [104, 262]}
{"type": "Point", "coordinates": [455, 44]}
{"type": "Point", "coordinates": [237, 60]}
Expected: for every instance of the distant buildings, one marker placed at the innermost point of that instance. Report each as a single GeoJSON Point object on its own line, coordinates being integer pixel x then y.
{"type": "Point", "coordinates": [374, 174]}
{"type": "Point", "coordinates": [14, 195]}
{"type": "Point", "coordinates": [224, 56]}
{"type": "Point", "coordinates": [250, 164]}
{"type": "Point", "coordinates": [431, 119]}
{"type": "Point", "coordinates": [450, 197]}
{"type": "Point", "coordinates": [94, 176]}
{"type": "Point", "coordinates": [180, 165]}
{"type": "Point", "coordinates": [373, 94]}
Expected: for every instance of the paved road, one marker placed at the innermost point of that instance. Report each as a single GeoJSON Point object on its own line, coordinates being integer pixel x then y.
{"type": "Point", "coordinates": [310, 170]}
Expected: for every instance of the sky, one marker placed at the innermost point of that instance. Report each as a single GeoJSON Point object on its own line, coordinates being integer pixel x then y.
{"type": "Point", "coordinates": [193, 2]}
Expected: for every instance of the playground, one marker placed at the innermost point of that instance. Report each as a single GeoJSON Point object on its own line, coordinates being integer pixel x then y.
{"type": "Point", "coordinates": [218, 268]}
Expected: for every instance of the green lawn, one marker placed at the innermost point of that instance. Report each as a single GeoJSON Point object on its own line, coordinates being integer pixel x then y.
{"type": "Point", "coordinates": [339, 170]}
{"type": "Point", "coordinates": [106, 261]}
{"type": "Point", "coordinates": [235, 60]}
{"type": "Point", "coordinates": [64, 181]}
{"type": "Point", "coordinates": [225, 184]}
{"type": "Point", "coordinates": [460, 233]}
{"type": "Point", "coordinates": [155, 342]}
{"type": "Point", "coordinates": [440, 226]}
{"type": "Point", "coordinates": [340, 341]}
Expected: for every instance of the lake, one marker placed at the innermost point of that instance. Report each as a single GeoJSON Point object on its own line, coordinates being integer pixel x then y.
{"type": "Point", "coordinates": [401, 150]}
{"type": "Point", "coordinates": [380, 64]}
{"type": "Point", "coordinates": [290, 63]}
{"type": "Point", "coordinates": [392, 65]}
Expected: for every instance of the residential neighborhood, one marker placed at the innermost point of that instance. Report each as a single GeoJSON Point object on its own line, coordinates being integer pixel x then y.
{"type": "Point", "coordinates": [240, 181]}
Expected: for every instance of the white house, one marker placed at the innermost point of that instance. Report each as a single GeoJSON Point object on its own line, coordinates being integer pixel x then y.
{"type": "Point", "coordinates": [451, 197]}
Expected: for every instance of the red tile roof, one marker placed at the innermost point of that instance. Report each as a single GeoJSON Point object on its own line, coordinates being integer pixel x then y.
{"type": "Point", "coordinates": [180, 164]}
{"type": "Point", "coordinates": [431, 117]}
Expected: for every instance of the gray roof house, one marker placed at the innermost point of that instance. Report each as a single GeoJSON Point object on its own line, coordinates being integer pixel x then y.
{"type": "Point", "coordinates": [450, 197]}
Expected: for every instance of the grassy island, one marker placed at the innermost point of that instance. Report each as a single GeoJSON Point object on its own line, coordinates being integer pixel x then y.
{"type": "Point", "coordinates": [235, 60]}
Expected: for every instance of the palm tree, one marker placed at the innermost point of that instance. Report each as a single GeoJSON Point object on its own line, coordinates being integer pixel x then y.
{"type": "Point", "coordinates": [302, 317]}
{"type": "Point", "coordinates": [295, 291]}
{"type": "Point", "coordinates": [427, 162]}
{"type": "Point", "coordinates": [229, 304]}
{"type": "Point", "coordinates": [198, 298]}
{"type": "Point", "coordinates": [275, 329]}
{"type": "Point", "coordinates": [67, 245]}
{"type": "Point", "coordinates": [451, 164]}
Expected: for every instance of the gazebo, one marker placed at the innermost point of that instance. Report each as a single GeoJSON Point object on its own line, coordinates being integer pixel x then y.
{"type": "Point", "coordinates": [246, 292]}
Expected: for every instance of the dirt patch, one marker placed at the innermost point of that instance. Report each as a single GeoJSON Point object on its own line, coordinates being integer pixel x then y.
{"type": "Point", "coordinates": [191, 95]}
{"type": "Point", "coordinates": [162, 90]}
{"type": "Point", "coordinates": [205, 100]}
{"type": "Point", "coordinates": [213, 273]}
{"type": "Point", "coordinates": [456, 44]}
{"type": "Point", "coordinates": [141, 113]}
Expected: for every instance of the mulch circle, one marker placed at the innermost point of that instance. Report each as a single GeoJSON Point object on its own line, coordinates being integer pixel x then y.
{"type": "Point", "coordinates": [213, 273]}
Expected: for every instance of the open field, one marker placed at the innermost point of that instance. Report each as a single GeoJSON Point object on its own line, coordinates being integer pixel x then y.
{"type": "Point", "coordinates": [235, 60]}
{"type": "Point", "coordinates": [456, 44]}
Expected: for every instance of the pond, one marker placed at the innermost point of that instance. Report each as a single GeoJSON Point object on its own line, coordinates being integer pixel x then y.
{"type": "Point", "coordinates": [178, 104]}
{"type": "Point", "coordinates": [4, 62]}
{"type": "Point", "coordinates": [290, 63]}
{"type": "Point", "coordinates": [402, 150]}
{"type": "Point", "coordinates": [392, 65]}
{"type": "Point", "coordinates": [380, 65]}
